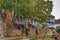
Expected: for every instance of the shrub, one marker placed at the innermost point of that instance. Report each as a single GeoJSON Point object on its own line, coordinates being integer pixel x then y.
{"type": "Point", "coordinates": [58, 29]}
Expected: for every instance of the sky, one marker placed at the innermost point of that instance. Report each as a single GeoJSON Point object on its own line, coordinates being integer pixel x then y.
{"type": "Point", "coordinates": [56, 9]}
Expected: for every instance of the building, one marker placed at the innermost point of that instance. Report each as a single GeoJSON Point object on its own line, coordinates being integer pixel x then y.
{"type": "Point", "coordinates": [51, 22]}
{"type": "Point", "coordinates": [57, 23]}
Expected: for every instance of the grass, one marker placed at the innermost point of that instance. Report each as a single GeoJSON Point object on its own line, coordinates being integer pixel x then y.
{"type": "Point", "coordinates": [48, 39]}
{"type": "Point", "coordinates": [41, 39]}
{"type": "Point", "coordinates": [33, 38]}
{"type": "Point", "coordinates": [14, 38]}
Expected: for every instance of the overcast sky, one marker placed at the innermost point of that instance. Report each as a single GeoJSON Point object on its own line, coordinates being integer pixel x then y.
{"type": "Point", "coordinates": [56, 9]}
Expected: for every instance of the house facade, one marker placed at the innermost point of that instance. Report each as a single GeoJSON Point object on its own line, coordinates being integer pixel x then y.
{"type": "Point", "coordinates": [57, 23]}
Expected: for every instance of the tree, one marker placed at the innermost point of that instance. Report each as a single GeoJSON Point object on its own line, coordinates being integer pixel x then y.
{"type": "Point", "coordinates": [29, 8]}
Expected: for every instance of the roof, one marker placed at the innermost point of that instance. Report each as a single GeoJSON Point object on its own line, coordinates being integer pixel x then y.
{"type": "Point", "coordinates": [51, 16]}
{"type": "Point", "coordinates": [57, 21]}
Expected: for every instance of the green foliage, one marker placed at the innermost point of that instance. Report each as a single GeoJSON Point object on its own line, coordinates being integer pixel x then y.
{"type": "Point", "coordinates": [38, 9]}
{"type": "Point", "coordinates": [58, 29]}
{"type": "Point", "coordinates": [34, 38]}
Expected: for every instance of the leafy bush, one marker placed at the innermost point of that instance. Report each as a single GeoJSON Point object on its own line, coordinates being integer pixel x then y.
{"type": "Point", "coordinates": [58, 29]}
